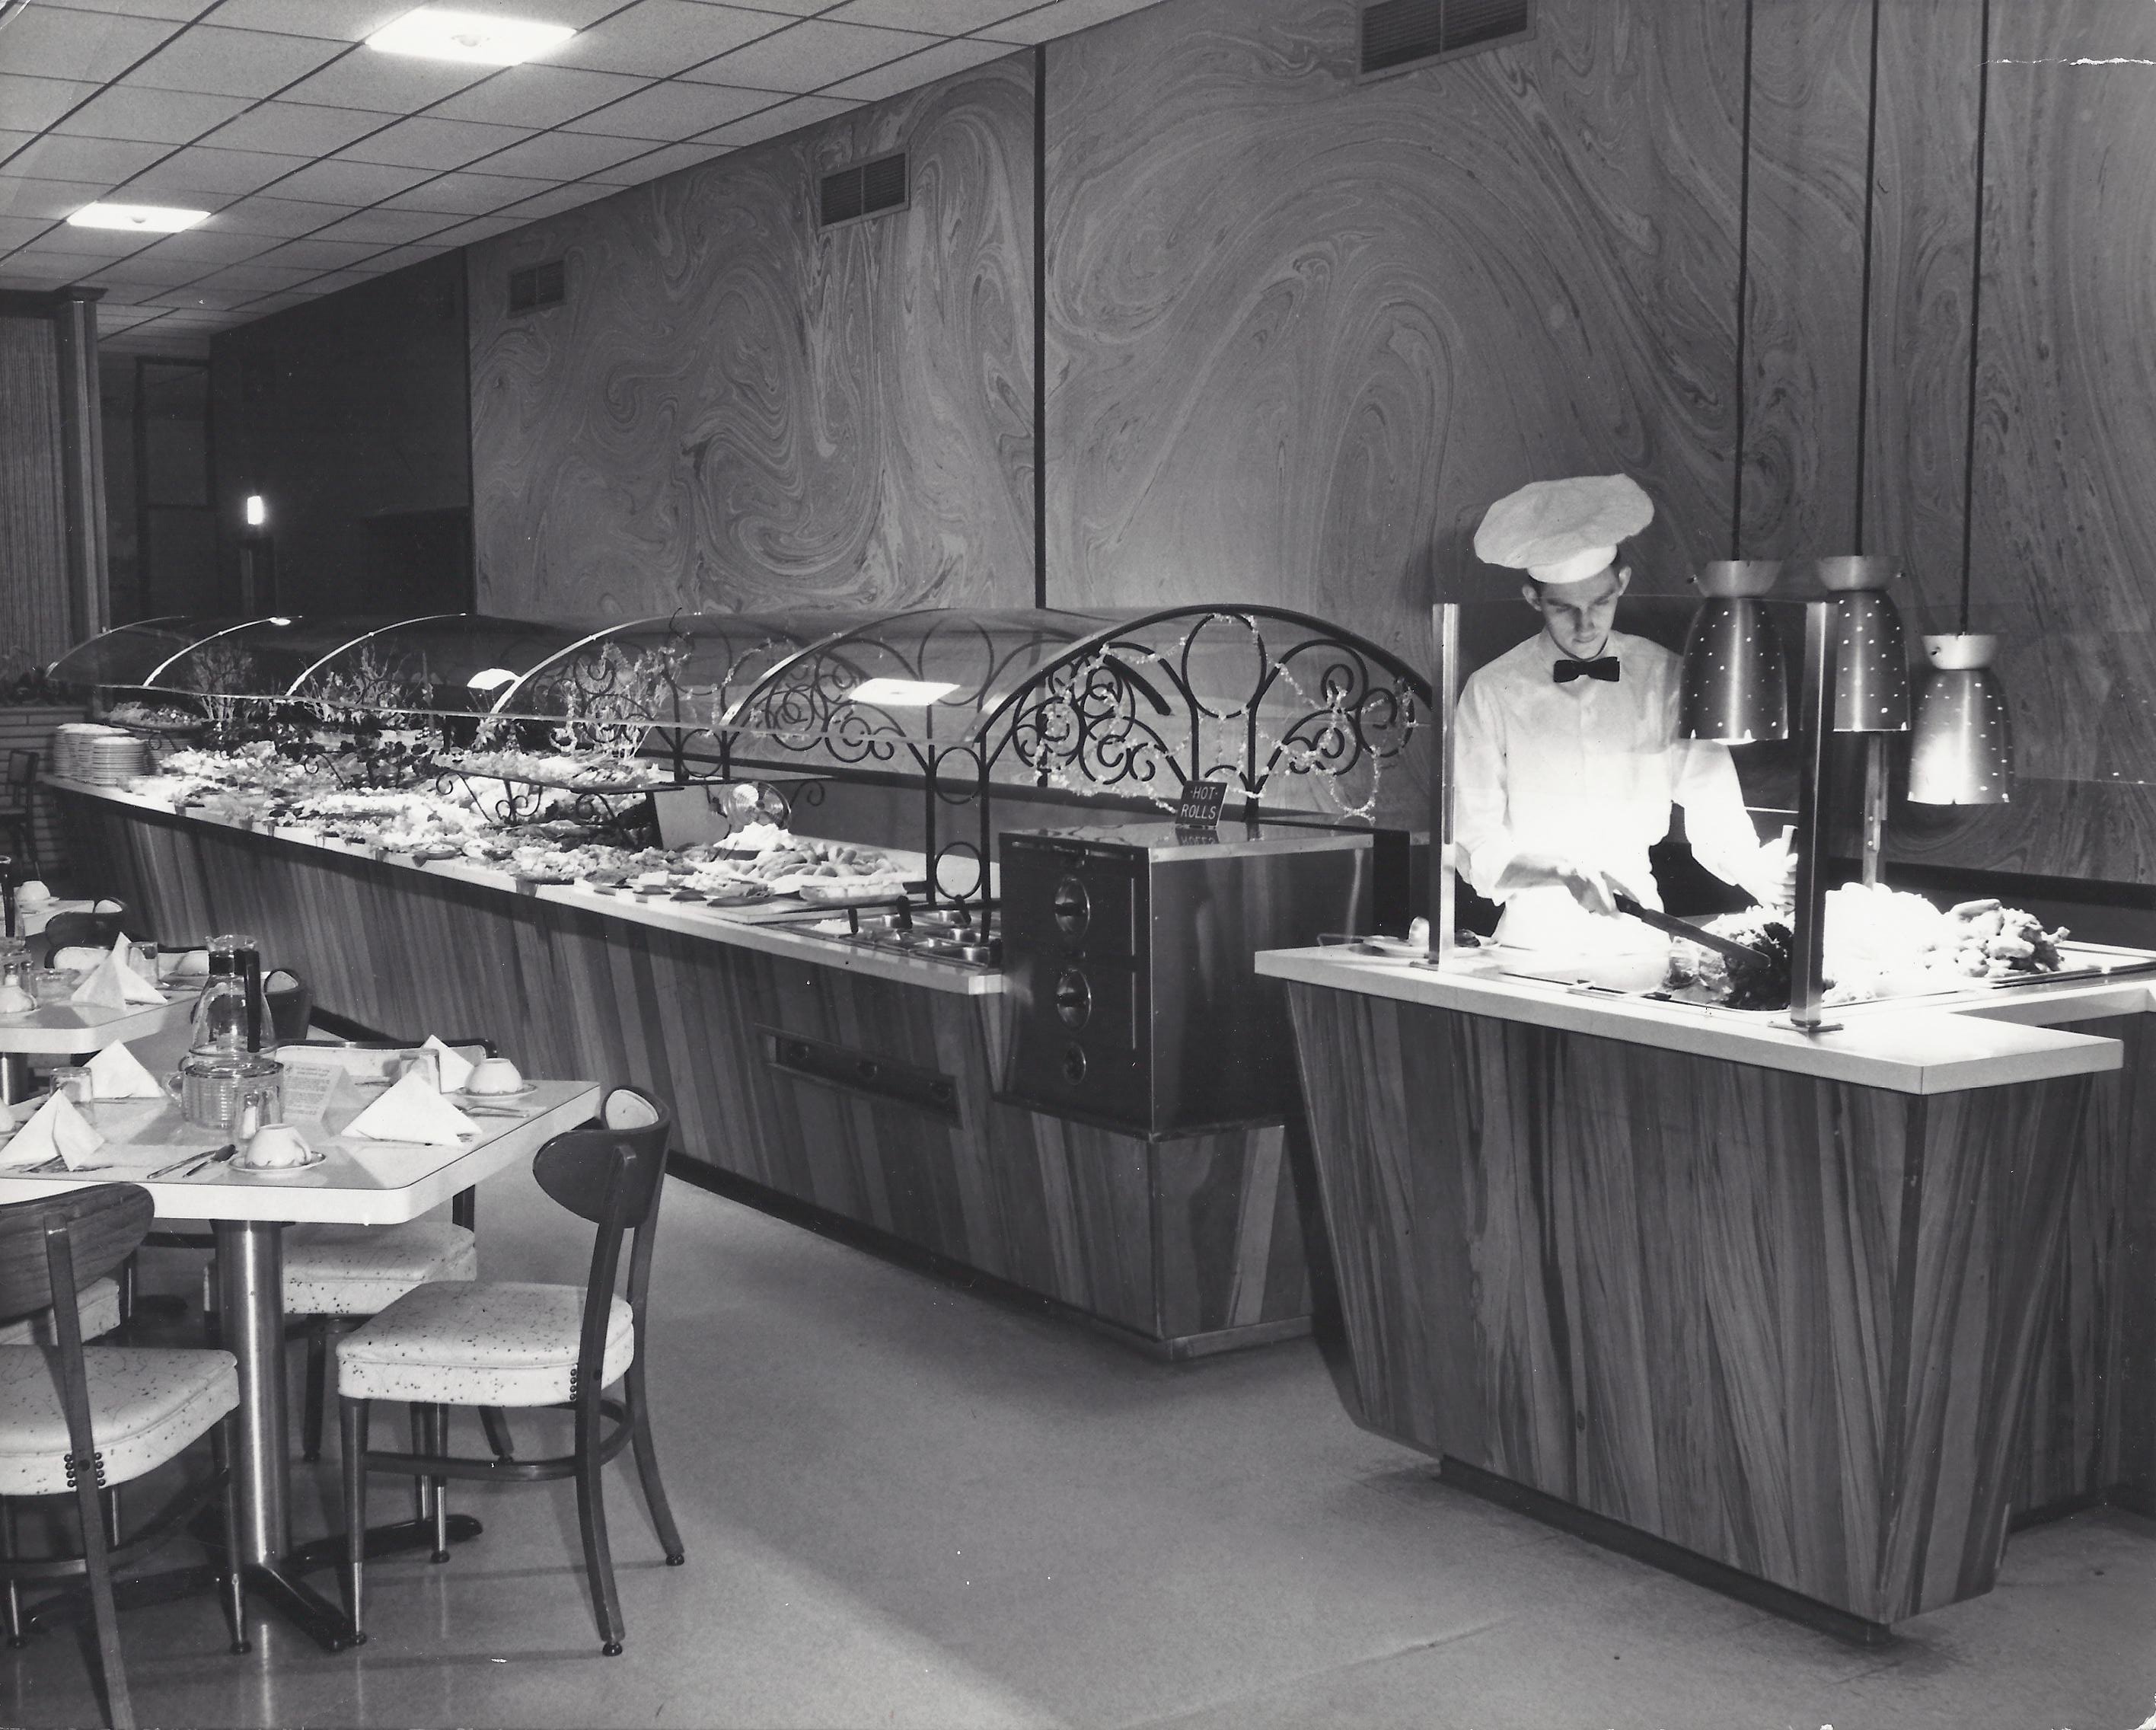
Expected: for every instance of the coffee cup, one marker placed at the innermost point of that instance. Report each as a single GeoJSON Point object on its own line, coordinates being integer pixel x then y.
{"type": "Point", "coordinates": [276, 1145]}
{"type": "Point", "coordinates": [32, 893]}
{"type": "Point", "coordinates": [494, 1075]}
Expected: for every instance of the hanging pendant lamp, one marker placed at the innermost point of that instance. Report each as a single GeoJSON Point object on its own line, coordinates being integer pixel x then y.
{"type": "Point", "coordinates": [1872, 658]}
{"type": "Point", "coordinates": [1963, 750]}
{"type": "Point", "coordinates": [1736, 686]}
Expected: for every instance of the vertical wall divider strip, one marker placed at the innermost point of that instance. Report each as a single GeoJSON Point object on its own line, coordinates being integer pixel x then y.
{"type": "Point", "coordinates": [139, 432]}
{"type": "Point", "coordinates": [82, 458]}
{"type": "Point", "coordinates": [1975, 314]}
{"type": "Point", "coordinates": [1743, 285]}
{"type": "Point", "coordinates": [1864, 292]}
{"type": "Point", "coordinates": [1040, 325]}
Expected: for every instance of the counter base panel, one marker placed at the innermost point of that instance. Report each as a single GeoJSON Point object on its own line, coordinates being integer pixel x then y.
{"type": "Point", "coordinates": [1193, 1244]}
{"type": "Point", "coordinates": [1783, 1322]}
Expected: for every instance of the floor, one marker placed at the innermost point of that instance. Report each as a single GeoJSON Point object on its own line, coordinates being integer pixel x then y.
{"type": "Point", "coordinates": [905, 1506]}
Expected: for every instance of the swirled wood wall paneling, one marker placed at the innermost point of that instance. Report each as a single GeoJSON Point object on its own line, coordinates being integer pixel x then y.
{"type": "Point", "coordinates": [34, 594]}
{"type": "Point", "coordinates": [735, 409]}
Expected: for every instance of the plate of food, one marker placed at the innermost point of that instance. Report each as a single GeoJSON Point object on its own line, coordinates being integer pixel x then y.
{"type": "Point", "coordinates": [736, 894]}
{"type": "Point", "coordinates": [848, 891]}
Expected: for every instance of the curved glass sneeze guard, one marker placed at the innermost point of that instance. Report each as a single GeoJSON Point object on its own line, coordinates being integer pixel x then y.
{"type": "Point", "coordinates": [131, 656]}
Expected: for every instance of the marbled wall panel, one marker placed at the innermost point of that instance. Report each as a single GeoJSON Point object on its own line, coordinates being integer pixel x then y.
{"type": "Point", "coordinates": [1811, 63]}
{"type": "Point", "coordinates": [735, 410]}
{"type": "Point", "coordinates": [34, 623]}
{"type": "Point", "coordinates": [1301, 331]}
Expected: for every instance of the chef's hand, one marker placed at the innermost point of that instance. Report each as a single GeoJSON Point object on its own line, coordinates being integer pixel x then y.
{"type": "Point", "coordinates": [1594, 889]}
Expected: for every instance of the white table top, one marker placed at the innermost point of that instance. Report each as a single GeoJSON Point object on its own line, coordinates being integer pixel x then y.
{"type": "Point", "coordinates": [31, 921]}
{"type": "Point", "coordinates": [361, 1183]}
{"type": "Point", "coordinates": [62, 1030]}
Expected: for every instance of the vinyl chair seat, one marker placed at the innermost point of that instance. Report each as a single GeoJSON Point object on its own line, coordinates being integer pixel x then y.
{"type": "Point", "coordinates": [98, 1304]}
{"type": "Point", "coordinates": [360, 1270]}
{"type": "Point", "coordinates": [480, 1342]}
{"type": "Point", "coordinates": [145, 1405]}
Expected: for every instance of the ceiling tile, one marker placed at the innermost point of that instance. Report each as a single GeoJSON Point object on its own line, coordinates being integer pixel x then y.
{"type": "Point", "coordinates": [786, 117]}
{"type": "Point", "coordinates": [399, 257]}
{"type": "Point", "coordinates": [480, 228]}
{"type": "Point", "coordinates": [87, 246]}
{"type": "Point", "coordinates": [191, 298]}
{"type": "Point", "coordinates": [110, 159]}
{"type": "Point", "coordinates": [662, 37]}
{"type": "Point", "coordinates": [665, 159]}
{"type": "Point", "coordinates": [14, 230]}
{"type": "Point", "coordinates": [285, 217]}
{"type": "Point", "coordinates": [262, 278]}
{"type": "Point", "coordinates": [46, 41]}
{"type": "Point", "coordinates": [180, 10]}
{"type": "Point", "coordinates": [466, 194]}
{"type": "Point", "coordinates": [556, 199]}
{"type": "Point", "coordinates": [166, 116]}
{"type": "Point", "coordinates": [35, 103]}
{"type": "Point", "coordinates": [338, 181]}
{"type": "Point", "coordinates": [948, 17]}
{"type": "Point", "coordinates": [425, 142]}
{"type": "Point", "coordinates": [321, 255]}
{"type": "Point", "coordinates": [52, 200]}
{"type": "Point", "coordinates": [665, 113]}
{"type": "Point", "coordinates": [386, 84]}
{"type": "Point", "coordinates": [809, 55]}
{"type": "Point", "coordinates": [232, 62]}
{"type": "Point", "coordinates": [392, 228]}
{"type": "Point", "coordinates": [209, 246]}
{"type": "Point", "coordinates": [295, 129]}
{"type": "Point", "coordinates": [156, 275]}
{"type": "Point", "coordinates": [345, 20]}
{"type": "Point", "coordinates": [330, 281]}
{"type": "Point", "coordinates": [223, 174]}
{"type": "Point", "coordinates": [563, 155]}
{"type": "Point", "coordinates": [1061, 17]}
{"type": "Point", "coordinates": [10, 142]}
{"type": "Point", "coordinates": [113, 317]}
{"type": "Point", "coordinates": [944, 60]}
{"type": "Point", "coordinates": [39, 274]}
{"type": "Point", "coordinates": [536, 94]}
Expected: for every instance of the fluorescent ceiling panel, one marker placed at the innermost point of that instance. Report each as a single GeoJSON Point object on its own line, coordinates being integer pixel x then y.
{"type": "Point", "coordinates": [475, 38]}
{"type": "Point", "coordinates": [136, 218]}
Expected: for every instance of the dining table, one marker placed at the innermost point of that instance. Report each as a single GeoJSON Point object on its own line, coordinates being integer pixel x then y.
{"type": "Point", "coordinates": [355, 1181]}
{"type": "Point", "coordinates": [77, 1029]}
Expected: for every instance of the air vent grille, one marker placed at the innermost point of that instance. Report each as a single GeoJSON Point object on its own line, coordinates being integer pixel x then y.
{"type": "Point", "coordinates": [538, 285]}
{"type": "Point", "coordinates": [866, 189]}
{"type": "Point", "coordinates": [1398, 34]}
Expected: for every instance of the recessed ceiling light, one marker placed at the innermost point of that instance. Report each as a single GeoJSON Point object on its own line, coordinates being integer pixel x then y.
{"type": "Point", "coordinates": [148, 219]}
{"type": "Point", "coordinates": [476, 37]}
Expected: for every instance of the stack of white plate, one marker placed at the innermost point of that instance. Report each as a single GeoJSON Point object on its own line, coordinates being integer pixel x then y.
{"type": "Point", "coordinates": [72, 745]}
{"type": "Point", "coordinates": [116, 760]}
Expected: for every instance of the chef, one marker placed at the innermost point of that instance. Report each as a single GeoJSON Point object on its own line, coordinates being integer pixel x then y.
{"type": "Point", "coordinates": [1567, 754]}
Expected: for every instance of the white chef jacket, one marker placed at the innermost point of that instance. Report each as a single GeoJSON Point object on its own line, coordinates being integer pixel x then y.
{"type": "Point", "coordinates": [1587, 771]}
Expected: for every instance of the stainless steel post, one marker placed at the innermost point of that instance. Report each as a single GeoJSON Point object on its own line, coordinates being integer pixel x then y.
{"type": "Point", "coordinates": [1815, 815]}
{"type": "Point", "coordinates": [250, 1295]}
{"type": "Point", "coordinates": [1874, 806]}
{"type": "Point", "coordinates": [1444, 698]}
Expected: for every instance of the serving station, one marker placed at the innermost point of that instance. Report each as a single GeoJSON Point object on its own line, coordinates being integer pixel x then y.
{"type": "Point", "coordinates": [752, 864]}
{"type": "Point", "coordinates": [1806, 1281]}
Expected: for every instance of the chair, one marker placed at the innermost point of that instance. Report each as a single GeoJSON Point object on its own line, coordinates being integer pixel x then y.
{"type": "Point", "coordinates": [493, 1342]}
{"type": "Point", "coordinates": [76, 1423]}
{"type": "Point", "coordinates": [290, 1005]}
{"type": "Point", "coordinates": [17, 817]}
{"type": "Point", "coordinates": [98, 1304]}
{"type": "Point", "coordinates": [95, 930]}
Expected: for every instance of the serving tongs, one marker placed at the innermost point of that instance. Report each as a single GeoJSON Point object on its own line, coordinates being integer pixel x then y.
{"type": "Point", "coordinates": [1676, 928]}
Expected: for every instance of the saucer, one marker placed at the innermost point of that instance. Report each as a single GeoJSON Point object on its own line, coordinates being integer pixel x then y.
{"type": "Point", "coordinates": [529, 1086]}
{"type": "Point", "coordinates": [315, 1156]}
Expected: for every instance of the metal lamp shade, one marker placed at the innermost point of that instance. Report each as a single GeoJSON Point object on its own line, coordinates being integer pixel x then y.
{"type": "Point", "coordinates": [1736, 678]}
{"type": "Point", "coordinates": [1870, 665]}
{"type": "Point", "coordinates": [1961, 752]}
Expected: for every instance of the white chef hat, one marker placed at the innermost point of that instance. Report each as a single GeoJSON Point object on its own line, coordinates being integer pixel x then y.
{"type": "Point", "coordinates": [1563, 530]}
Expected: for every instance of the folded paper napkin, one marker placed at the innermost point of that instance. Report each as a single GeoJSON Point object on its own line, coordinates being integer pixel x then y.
{"type": "Point", "coordinates": [412, 1111]}
{"type": "Point", "coordinates": [456, 1068]}
{"type": "Point", "coordinates": [114, 984]}
{"type": "Point", "coordinates": [55, 1127]}
{"type": "Point", "coordinates": [116, 1073]}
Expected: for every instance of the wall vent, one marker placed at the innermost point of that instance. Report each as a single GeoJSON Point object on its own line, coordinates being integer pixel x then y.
{"type": "Point", "coordinates": [867, 189]}
{"type": "Point", "coordinates": [538, 285]}
{"type": "Point", "coordinates": [1399, 35]}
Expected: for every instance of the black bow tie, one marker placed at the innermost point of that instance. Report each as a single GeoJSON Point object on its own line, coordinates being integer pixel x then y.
{"type": "Point", "coordinates": [1604, 668]}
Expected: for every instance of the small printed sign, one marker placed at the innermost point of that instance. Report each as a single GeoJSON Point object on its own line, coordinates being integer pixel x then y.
{"type": "Point", "coordinates": [1197, 816]}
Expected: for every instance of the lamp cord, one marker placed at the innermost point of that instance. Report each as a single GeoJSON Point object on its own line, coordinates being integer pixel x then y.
{"type": "Point", "coordinates": [1975, 314]}
{"type": "Point", "coordinates": [1743, 285]}
{"type": "Point", "coordinates": [1863, 297]}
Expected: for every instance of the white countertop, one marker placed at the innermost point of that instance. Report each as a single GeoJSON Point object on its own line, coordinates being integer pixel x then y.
{"type": "Point", "coordinates": [1946, 1046]}
{"type": "Point", "coordinates": [684, 918]}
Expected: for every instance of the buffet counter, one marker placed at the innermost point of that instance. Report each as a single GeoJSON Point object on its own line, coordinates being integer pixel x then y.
{"type": "Point", "coordinates": [852, 1087]}
{"type": "Point", "coordinates": [1806, 1318]}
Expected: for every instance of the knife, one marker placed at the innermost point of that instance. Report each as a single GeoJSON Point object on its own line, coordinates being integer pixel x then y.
{"type": "Point", "coordinates": [1690, 933]}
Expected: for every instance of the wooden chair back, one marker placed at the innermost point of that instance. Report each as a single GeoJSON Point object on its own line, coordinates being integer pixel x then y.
{"type": "Point", "coordinates": [22, 777]}
{"type": "Point", "coordinates": [100, 1227]}
{"type": "Point", "coordinates": [92, 931]}
{"type": "Point", "coordinates": [611, 1174]}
